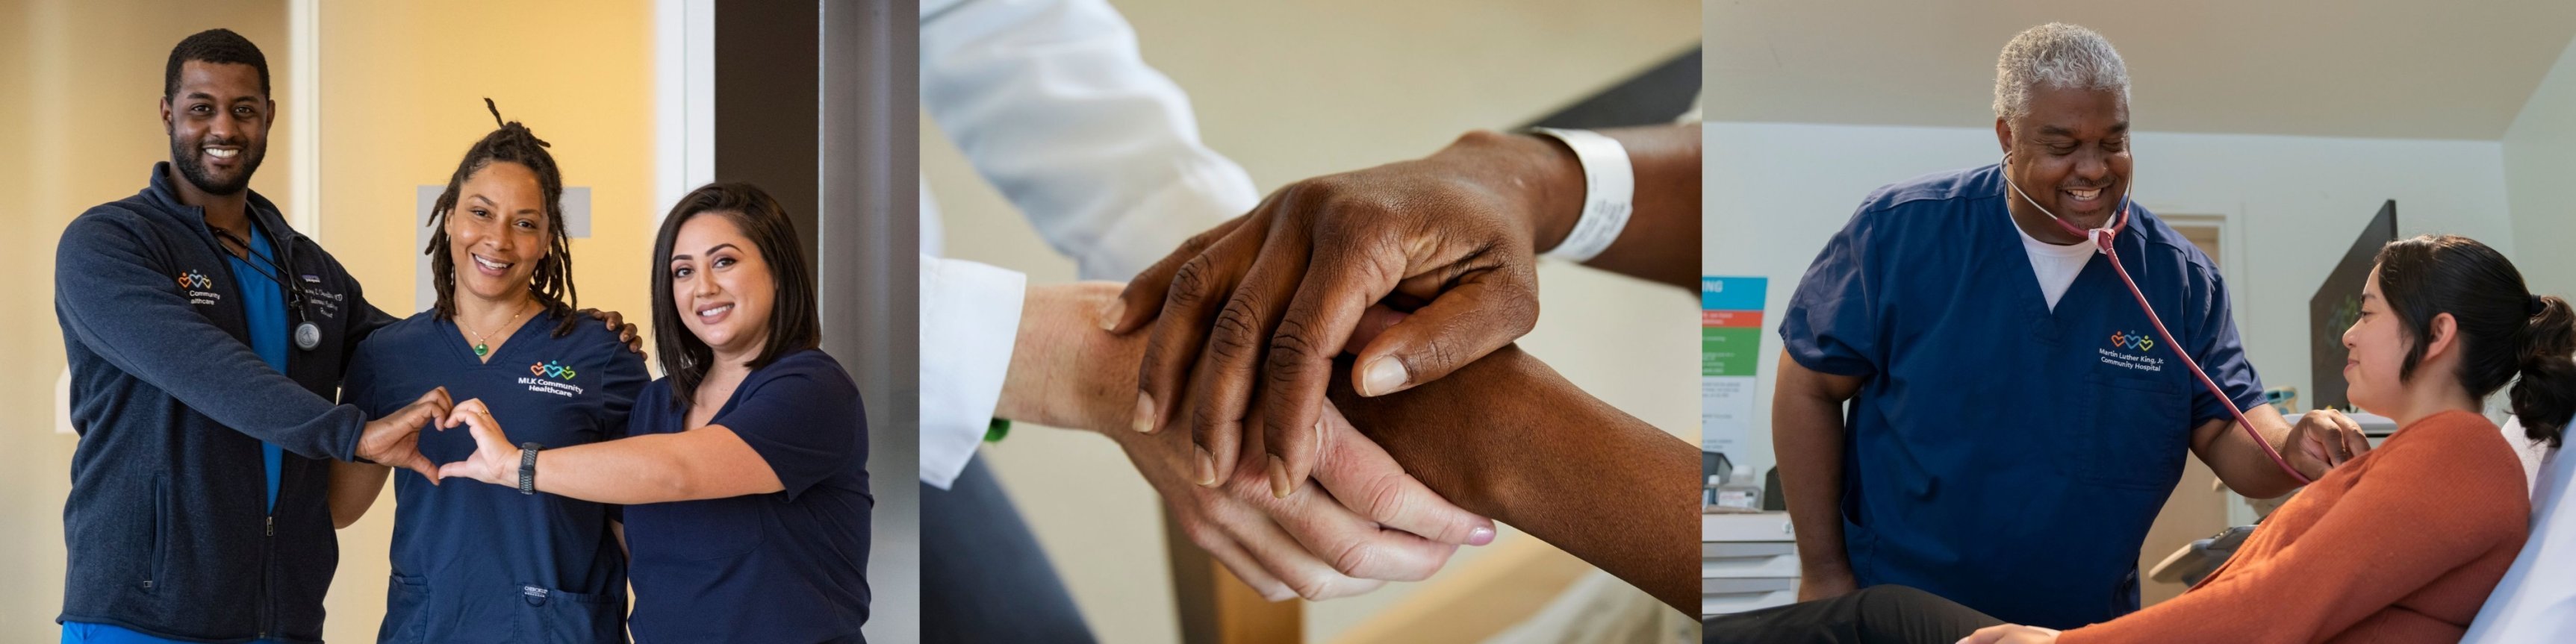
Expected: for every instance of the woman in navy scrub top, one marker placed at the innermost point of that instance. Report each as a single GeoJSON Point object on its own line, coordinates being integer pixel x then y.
{"type": "Point", "coordinates": [474, 563]}
{"type": "Point", "coordinates": [744, 476]}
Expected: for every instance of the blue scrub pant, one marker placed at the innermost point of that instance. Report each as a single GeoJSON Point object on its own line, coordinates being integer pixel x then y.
{"type": "Point", "coordinates": [983, 577]}
{"type": "Point", "coordinates": [88, 633]}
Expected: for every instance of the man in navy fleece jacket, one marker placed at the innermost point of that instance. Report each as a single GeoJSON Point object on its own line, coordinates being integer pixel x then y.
{"type": "Point", "coordinates": [206, 341]}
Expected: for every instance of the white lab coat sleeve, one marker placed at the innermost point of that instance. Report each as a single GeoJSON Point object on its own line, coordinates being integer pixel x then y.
{"type": "Point", "coordinates": [1051, 102]}
{"type": "Point", "coordinates": [970, 314]}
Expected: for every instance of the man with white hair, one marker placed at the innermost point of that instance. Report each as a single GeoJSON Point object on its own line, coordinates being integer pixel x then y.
{"type": "Point", "coordinates": [2014, 425]}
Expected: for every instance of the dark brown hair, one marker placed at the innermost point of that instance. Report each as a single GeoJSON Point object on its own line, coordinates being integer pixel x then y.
{"type": "Point", "coordinates": [2504, 330]}
{"type": "Point", "coordinates": [552, 282]}
{"type": "Point", "coordinates": [795, 320]}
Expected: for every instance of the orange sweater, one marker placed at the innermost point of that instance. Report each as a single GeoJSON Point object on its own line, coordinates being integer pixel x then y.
{"type": "Point", "coordinates": [2400, 545]}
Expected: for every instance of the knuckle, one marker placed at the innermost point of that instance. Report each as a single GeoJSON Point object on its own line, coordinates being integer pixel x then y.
{"type": "Point", "coordinates": [1355, 558]}
{"type": "Point", "coordinates": [1386, 498]}
{"type": "Point", "coordinates": [1297, 341]}
{"type": "Point", "coordinates": [1213, 430]}
{"type": "Point", "coordinates": [1234, 335]}
{"type": "Point", "coordinates": [1434, 351]}
{"type": "Point", "coordinates": [1191, 282]}
{"type": "Point", "coordinates": [1314, 586]}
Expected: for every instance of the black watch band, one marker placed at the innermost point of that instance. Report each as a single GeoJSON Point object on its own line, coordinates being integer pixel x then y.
{"type": "Point", "coordinates": [528, 467]}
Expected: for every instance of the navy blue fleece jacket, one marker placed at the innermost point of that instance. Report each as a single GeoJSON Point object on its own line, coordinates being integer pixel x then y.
{"type": "Point", "coordinates": [165, 526]}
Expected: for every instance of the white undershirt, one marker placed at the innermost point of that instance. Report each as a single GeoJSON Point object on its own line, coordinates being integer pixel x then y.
{"type": "Point", "coordinates": [2056, 266]}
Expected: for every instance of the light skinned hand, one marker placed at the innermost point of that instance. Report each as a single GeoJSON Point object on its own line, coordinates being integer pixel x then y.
{"type": "Point", "coordinates": [495, 460]}
{"type": "Point", "coordinates": [2011, 634]}
{"type": "Point", "coordinates": [1368, 523]}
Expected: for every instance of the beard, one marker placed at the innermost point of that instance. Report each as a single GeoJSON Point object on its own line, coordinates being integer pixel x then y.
{"type": "Point", "coordinates": [188, 156]}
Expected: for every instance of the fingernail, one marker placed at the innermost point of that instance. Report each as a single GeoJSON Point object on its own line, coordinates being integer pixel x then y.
{"type": "Point", "coordinates": [1111, 312]}
{"type": "Point", "coordinates": [1144, 413]}
{"type": "Point", "coordinates": [1205, 472]}
{"type": "Point", "coordinates": [1279, 486]}
{"type": "Point", "coordinates": [1384, 376]}
{"type": "Point", "coordinates": [1480, 536]}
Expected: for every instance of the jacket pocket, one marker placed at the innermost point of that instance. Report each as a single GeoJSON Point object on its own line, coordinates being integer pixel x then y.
{"type": "Point", "coordinates": [554, 616]}
{"type": "Point", "coordinates": [153, 580]}
{"type": "Point", "coordinates": [406, 597]}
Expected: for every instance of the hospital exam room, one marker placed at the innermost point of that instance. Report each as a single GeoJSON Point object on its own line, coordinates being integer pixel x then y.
{"type": "Point", "coordinates": [2285, 141]}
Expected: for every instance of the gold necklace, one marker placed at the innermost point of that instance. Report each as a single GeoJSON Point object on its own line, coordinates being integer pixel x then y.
{"type": "Point", "coordinates": [481, 349]}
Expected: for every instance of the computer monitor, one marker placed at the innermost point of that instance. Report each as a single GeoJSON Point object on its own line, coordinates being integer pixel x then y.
{"type": "Point", "coordinates": [2337, 303]}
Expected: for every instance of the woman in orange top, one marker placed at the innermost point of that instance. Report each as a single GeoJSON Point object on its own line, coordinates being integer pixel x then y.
{"type": "Point", "coordinates": [2401, 544]}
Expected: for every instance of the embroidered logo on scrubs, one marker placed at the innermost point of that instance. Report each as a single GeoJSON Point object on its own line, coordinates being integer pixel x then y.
{"type": "Point", "coordinates": [2123, 342]}
{"type": "Point", "coordinates": [550, 378]}
{"type": "Point", "coordinates": [196, 284]}
{"type": "Point", "coordinates": [2132, 340]}
{"type": "Point", "coordinates": [551, 369]}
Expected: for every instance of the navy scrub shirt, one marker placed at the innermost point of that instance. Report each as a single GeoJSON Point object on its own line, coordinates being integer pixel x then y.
{"type": "Point", "coordinates": [789, 566]}
{"type": "Point", "coordinates": [484, 563]}
{"type": "Point", "coordinates": [2003, 455]}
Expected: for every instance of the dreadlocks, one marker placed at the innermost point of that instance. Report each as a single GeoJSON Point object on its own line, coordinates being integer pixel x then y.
{"type": "Point", "coordinates": [552, 282]}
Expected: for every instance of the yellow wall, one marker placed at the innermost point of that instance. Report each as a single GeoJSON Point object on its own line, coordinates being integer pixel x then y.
{"type": "Point", "coordinates": [87, 75]}
{"type": "Point", "coordinates": [402, 89]}
{"type": "Point", "coordinates": [402, 97]}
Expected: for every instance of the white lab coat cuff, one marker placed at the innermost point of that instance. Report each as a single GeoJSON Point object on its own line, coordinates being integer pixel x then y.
{"type": "Point", "coordinates": [970, 316]}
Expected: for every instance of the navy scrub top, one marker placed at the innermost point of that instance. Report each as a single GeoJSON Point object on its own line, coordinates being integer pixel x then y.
{"type": "Point", "coordinates": [2002, 455]}
{"type": "Point", "coordinates": [484, 563]}
{"type": "Point", "coordinates": [789, 566]}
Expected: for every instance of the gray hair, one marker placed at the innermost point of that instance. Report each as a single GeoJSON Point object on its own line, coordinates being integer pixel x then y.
{"type": "Point", "coordinates": [2056, 55]}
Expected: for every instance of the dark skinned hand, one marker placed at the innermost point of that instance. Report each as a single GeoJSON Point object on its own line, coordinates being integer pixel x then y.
{"type": "Point", "coordinates": [1253, 312]}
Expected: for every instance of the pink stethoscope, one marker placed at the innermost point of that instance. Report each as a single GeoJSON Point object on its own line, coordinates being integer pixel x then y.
{"type": "Point", "coordinates": [2102, 243]}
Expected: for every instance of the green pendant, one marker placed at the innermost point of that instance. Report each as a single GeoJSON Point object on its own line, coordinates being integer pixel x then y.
{"type": "Point", "coordinates": [481, 349]}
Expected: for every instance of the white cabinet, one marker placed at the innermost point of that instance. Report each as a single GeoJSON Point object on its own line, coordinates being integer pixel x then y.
{"type": "Point", "coordinates": [1748, 561]}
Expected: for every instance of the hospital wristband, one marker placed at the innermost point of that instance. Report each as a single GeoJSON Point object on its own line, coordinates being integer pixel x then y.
{"type": "Point", "coordinates": [1609, 187]}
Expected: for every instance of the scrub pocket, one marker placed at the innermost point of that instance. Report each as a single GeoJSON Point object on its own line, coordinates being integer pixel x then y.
{"type": "Point", "coordinates": [2138, 434]}
{"type": "Point", "coordinates": [405, 595]}
{"type": "Point", "coordinates": [552, 616]}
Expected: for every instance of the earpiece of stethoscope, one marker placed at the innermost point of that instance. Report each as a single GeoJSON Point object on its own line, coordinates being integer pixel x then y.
{"type": "Point", "coordinates": [2103, 238]}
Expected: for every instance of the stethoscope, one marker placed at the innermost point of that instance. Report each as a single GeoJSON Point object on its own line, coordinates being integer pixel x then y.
{"type": "Point", "coordinates": [2102, 238]}
{"type": "Point", "coordinates": [307, 334]}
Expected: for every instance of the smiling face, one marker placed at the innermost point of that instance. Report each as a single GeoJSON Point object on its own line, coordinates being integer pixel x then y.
{"type": "Point", "coordinates": [722, 286]}
{"type": "Point", "coordinates": [498, 232]}
{"type": "Point", "coordinates": [218, 124]}
{"type": "Point", "coordinates": [2070, 153]}
{"type": "Point", "coordinates": [2377, 346]}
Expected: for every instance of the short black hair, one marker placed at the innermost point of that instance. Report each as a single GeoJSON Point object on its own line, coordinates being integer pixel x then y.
{"type": "Point", "coordinates": [795, 319]}
{"type": "Point", "coordinates": [220, 46]}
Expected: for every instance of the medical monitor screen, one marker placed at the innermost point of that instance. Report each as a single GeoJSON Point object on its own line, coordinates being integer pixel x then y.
{"type": "Point", "coordinates": [2337, 303]}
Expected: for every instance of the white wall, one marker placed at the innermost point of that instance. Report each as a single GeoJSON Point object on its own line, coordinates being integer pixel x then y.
{"type": "Point", "coordinates": [2539, 166]}
{"type": "Point", "coordinates": [1777, 191]}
